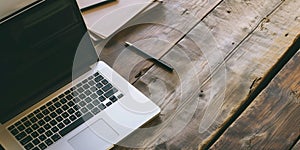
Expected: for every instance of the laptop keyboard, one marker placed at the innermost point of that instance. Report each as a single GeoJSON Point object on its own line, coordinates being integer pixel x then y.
{"type": "Point", "coordinates": [58, 117]}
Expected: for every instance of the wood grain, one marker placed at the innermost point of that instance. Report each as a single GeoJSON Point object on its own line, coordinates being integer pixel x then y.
{"type": "Point", "coordinates": [162, 23]}
{"type": "Point", "coordinates": [251, 57]}
{"type": "Point", "coordinates": [272, 120]}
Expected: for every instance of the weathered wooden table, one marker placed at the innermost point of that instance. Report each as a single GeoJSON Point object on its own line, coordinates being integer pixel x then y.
{"type": "Point", "coordinates": [236, 83]}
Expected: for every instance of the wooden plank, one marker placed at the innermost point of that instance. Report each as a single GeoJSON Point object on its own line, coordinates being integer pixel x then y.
{"type": "Point", "coordinates": [272, 120]}
{"type": "Point", "coordinates": [162, 23]}
{"type": "Point", "coordinates": [243, 64]}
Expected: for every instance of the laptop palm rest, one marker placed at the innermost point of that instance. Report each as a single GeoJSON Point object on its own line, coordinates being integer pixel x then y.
{"type": "Point", "coordinates": [94, 137]}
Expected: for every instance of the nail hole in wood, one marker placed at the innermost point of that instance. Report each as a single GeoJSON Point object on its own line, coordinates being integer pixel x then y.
{"type": "Point", "coordinates": [286, 35]}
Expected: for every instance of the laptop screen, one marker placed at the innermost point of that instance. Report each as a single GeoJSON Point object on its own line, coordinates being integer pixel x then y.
{"type": "Point", "coordinates": [38, 47]}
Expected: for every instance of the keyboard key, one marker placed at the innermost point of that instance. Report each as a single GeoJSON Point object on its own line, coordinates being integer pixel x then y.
{"type": "Point", "coordinates": [35, 126]}
{"type": "Point", "coordinates": [36, 111]}
{"type": "Point", "coordinates": [96, 74]}
{"type": "Point", "coordinates": [93, 96]}
{"type": "Point", "coordinates": [71, 111]}
{"type": "Point", "coordinates": [78, 85]}
{"type": "Point", "coordinates": [53, 122]}
{"type": "Point", "coordinates": [51, 108]}
{"type": "Point", "coordinates": [90, 106]}
{"type": "Point", "coordinates": [61, 95]}
{"type": "Point", "coordinates": [102, 106]}
{"type": "Point", "coordinates": [99, 85]}
{"type": "Point", "coordinates": [96, 102]}
{"type": "Point", "coordinates": [70, 104]}
{"type": "Point", "coordinates": [90, 77]}
{"type": "Point", "coordinates": [42, 137]}
{"type": "Point", "coordinates": [93, 89]}
{"type": "Point", "coordinates": [48, 142]}
{"type": "Point", "coordinates": [55, 137]}
{"type": "Point", "coordinates": [86, 86]}
{"type": "Point", "coordinates": [59, 111]}
{"type": "Point", "coordinates": [104, 82]}
{"type": "Point", "coordinates": [83, 110]}
{"type": "Point", "coordinates": [80, 90]}
{"type": "Point", "coordinates": [39, 115]}
{"type": "Point", "coordinates": [54, 129]}
{"type": "Point", "coordinates": [69, 97]}
{"type": "Point", "coordinates": [91, 83]}
{"type": "Point", "coordinates": [53, 114]}
{"type": "Point", "coordinates": [41, 122]}
{"type": "Point", "coordinates": [28, 130]}
{"type": "Point", "coordinates": [24, 119]}
{"type": "Point", "coordinates": [100, 92]}
{"type": "Point", "coordinates": [55, 100]}
{"type": "Point", "coordinates": [95, 111]}
{"type": "Point", "coordinates": [42, 146]}
{"type": "Point", "coordinates": [49, 103]}
{"type": "Point", "coordinates": [67, 121]}
{"type": "Point", "coordinates": [36, 148]}
{"type": "Point", "coordinates": [33, 119]}
{"type": "Point", "coordinates": [21, 127]}
{"type": "Point", "coordinates": [48, 133]}
{"type": "Point", "coordinates": [82, 103]}
{"type": "Point", "coordinates": [108, 104]}
{"type": "Point", "coordinates": [57, 104]}
{"type": "Point", "coordinates": [67, 92]}
{"type": "Point", "coordinates": [113, 99]}
{"type": "Point", "coordinates": [60, 125]}
{"type": "Point", "coordinates": [29, 146]}
{"type": "Point", "coordinates": [47, 118]}
{"type": "Point", "coordinates": [47, 126]}
{"type": "Point", "coordinates": [78, 114]}
{"type": "Point", "coordinates": [65, 107]}
{"type": "Point", "coordinates": [84, 81]}
{"type": "Point", "coordinates": [14, 132]}
{"type": "Point", "coordinates": [72, 117]}
{"type": "Point", "coordinates": [30, 115]}
{"type": "Point", "coordinates": [99, 78]}
{"type": "Point", "coordinates": [82, 96]}
{"type": "Point", "coordinates": [26, 140]}
{"type": "Point", "coordinates": [34, 134]}
{"type": "Point", "coordinates": [21, 135]}
{"type": "Point", "coordinates": [63, 100]}
{"type": "Point", "coordinates": [107, 87]}
{"type": "Point", "coordinates": [43, 107]}
{"type": "Point", "coordinates": [110, 92]}
{"type": "Point", "coordinates": [65, 115]}
{"type": "Point", "coordinates": [59, 118]}
{"type": "Point", "coordinates": [87, 92]}
{"type": "Point", "coordinates": [27, 123]}
{"type": "Point", "coordinates": [36, 141]}
{"type": "Point", "coordinates": [41, 130]}
{"type": "Point", "coordinates": [120, 96]}
{"type": "Point", "coordinates": [88, 100]}
{"type": "Point", "coordinates": [102, 98]}
{"type": "Point", "coordinates": [75, 124]}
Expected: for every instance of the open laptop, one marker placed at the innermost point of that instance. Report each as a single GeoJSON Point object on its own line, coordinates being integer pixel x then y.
{"type": "Point", "coordinates": [47, 102]}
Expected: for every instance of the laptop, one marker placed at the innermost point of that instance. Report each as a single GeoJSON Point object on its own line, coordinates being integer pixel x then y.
{"type": "Point", "coordinates": [55, 93]}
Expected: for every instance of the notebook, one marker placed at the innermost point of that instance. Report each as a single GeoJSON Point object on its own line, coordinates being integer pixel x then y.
{"type": "Point", "coordinates": [105, 20]}
{"type": "Point", "coordinates": [55, 93]}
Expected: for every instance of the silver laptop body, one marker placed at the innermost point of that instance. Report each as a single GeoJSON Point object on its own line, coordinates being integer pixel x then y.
{"type": "Point", "coordinates": [94, 111]}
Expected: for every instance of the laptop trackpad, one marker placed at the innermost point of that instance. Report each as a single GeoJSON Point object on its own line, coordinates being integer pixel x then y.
{"type": "Point", "coordinates": [87, 139]}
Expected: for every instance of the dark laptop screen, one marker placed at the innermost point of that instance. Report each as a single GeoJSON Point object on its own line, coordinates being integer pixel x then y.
{"type": "Point", "coordinates": [37, 51]}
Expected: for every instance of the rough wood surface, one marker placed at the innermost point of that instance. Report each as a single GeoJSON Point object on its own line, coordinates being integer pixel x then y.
{"type": "Point", "coordinates": [249, 58]}
{"type": "Point", "coordinates": [168, 22]}
{"type": "Point", "coordinates": [272, 121]}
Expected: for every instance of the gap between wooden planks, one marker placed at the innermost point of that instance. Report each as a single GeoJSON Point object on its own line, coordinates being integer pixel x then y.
{"type": "Point", "coordinates": [265, 38]}
{"type": "Point", "coordinates": [271, 120]}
